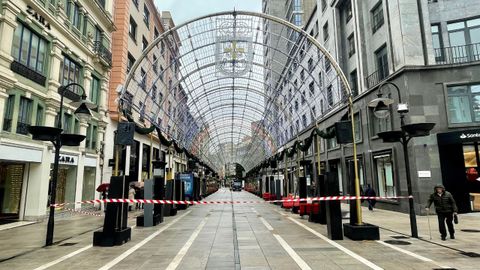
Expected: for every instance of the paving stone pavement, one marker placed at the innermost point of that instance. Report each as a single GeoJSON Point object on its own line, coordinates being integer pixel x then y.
{"type": "Point", "coordinates": [240, 236]}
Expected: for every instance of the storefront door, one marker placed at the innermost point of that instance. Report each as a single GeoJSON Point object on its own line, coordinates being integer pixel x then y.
{"type": "Point", "coordinates": [11, 181]}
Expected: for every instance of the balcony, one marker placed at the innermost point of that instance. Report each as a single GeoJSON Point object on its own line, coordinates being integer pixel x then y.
{"type": "Point", "coordinates": [102, 52]}
{"type": "Point", "coordinates": [457, 54]}
{"type": "Point", "coordinates": [377, 76]}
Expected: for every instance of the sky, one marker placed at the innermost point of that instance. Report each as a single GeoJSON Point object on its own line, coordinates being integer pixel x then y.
{"type": "Point", "coordinates": [184, 10]}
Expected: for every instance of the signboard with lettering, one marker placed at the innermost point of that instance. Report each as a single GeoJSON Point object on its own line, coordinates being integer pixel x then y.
{"type": "Point", "coordinates": [458, 137]}
{"type": "Point", "coordinates": [34, 14]}
{"type": "Point", "coordinates": [66, 160]}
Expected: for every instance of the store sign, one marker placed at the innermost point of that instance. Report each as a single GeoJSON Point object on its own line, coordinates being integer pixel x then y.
{"type": "Point", "coordinates": [465, 136]}
{"type": "Point", "coordinates": [424, 174]}
{"type": "Point", "coordinates": [459, 137]}
{"type": "Point", "coordinates": [38, 17]}
{"type": "Point", "coordinates": [66, 160]}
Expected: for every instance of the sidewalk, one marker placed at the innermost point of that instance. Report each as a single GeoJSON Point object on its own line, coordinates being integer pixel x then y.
{"type": "Point", "coordinates": [24, 239]}
{"type": "Point", "coordinates": [467, 232]}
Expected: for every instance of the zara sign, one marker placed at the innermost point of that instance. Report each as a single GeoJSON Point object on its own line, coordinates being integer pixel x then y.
{"type": "Point", "coordinates": [66, 160]}
{"type": "Point", "coordinates": [38, 17]}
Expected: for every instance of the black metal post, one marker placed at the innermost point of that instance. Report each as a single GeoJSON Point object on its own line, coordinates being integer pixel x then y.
{"type": "Point", "coordinates": [413, 217]}
{"type": "Point", "coordinates": [53, 184]}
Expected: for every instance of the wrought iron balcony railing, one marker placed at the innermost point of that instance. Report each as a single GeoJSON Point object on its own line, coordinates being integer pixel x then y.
{"type": "Point", "coordinates": [458, 54]}
{"type": "Point", "coordinates": [377, 76]}
{"type": "Point", "coordinates": [103, 52]}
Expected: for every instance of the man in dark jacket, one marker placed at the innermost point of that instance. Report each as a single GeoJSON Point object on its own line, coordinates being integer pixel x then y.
{"type": "Point", "coordinates": [446, 208]}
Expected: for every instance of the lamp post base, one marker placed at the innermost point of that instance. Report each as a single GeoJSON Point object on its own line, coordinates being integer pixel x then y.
{"type": "Point", "coordinates": [361, 232]}
{"type": "Point", "coordinates": [110, 239]}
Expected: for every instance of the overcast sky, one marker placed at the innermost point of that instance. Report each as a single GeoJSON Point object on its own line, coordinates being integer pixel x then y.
{"type": "Point", "coordinates": [184, 10]}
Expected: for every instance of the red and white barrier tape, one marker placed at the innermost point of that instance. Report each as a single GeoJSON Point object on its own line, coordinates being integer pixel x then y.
{"type": "Point", "coordinates": [80, 212]}
{"type": "Point", "coordinates": [329, 198]}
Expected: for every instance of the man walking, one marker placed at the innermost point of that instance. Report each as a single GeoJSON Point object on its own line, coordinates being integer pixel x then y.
{"type": "Point", "coordinates": [446, 208]}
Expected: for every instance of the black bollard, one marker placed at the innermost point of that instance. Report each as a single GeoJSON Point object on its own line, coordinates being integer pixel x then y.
{"type": "Point", "coordinates": [115, 230]}
{"type": "Point", "coordinates": [334, 213]}
{"type": "Point", "coordinates": [158, 194]}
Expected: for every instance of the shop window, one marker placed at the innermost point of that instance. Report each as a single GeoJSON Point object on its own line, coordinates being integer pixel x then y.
{"type": "Point", "coordinates": [29, 49]}
{"type": "Point", "coordinates": [95, 91]}
{"type": "Point", "coordinates": [11, 181]}
{"type": "Point", "coordinates": [66, 183]}
{"type": "Point", "coordinates": [70, 72]}
{"type": "Point", "coordinates": [24, 115]}
{"type": "Point", "coordinates": [8, 117]}
{"type": "Point", "coordinates": [88, 190]}
{"type": "Point", "coordinates": [385, 175]}
{"type": "Point", "coordinates": [361, 171]}
{"type": "Point", "coordinates": [463, 104]}
{"type": "Point", "coordinates": [377, 17]}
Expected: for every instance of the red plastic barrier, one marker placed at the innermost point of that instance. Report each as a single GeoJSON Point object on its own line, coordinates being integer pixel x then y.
{"type": "Point", "coordinates": [287, 205]}
{"type": "Point", "coordinates": [266, 196]}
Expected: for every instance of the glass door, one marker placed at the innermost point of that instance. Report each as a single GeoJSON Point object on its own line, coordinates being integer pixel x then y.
{"type": "Point", "coordinates": [11, 181]}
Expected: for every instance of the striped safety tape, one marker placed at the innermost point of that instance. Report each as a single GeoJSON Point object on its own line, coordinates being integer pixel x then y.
{"type": "Point", "coordinates": [328, 198]}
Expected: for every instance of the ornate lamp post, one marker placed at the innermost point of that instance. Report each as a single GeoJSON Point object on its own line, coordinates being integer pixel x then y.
{"type": "Point", "coordinates": [59, 139]}
{"type": "Point", "coordinates": [407, 132]}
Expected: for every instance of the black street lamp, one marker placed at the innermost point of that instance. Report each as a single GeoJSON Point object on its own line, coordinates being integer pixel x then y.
{"type": "Point", "coordinates": [59, 139]}
{"type": "Point", "coordinates": [407, 132]}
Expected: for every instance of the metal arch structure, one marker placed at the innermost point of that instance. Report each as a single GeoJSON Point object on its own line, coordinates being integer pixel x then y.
{"type": "Point", "coordinates": [225, 109]}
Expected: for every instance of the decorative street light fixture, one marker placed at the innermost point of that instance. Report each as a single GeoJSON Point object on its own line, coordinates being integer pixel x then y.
{"type": "Point", "coordinates": [381, 109]}
{"type": "Point", "coordinates": [59, 139]}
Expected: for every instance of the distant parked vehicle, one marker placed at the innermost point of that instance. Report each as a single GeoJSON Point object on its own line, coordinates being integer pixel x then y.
{"type": "Point", "coordinates": [237, 186]}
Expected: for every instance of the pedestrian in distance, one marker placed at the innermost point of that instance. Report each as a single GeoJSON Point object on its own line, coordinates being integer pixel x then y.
{"type": "Point", "coordinates": [131, 196]}
{"type": "Point", "coordinates": [446, 210]}
{"type": "Point", "coordinates": [370, 192]}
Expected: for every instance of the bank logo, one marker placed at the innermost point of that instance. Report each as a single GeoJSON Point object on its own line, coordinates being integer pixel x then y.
{"type": "Point", "coordinates": [470, 136]}
{"type": "Point", "coordinates": [463, 136]}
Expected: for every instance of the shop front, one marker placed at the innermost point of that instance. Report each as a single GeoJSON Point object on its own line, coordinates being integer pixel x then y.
{"type": "Point", "coordinates": [67, 178]}
{"type": "Point", "coordinates": [460, 165]}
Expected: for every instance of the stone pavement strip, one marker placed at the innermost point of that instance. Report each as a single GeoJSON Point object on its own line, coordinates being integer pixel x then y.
{"type": "Point", "coordinates": [240, 236]}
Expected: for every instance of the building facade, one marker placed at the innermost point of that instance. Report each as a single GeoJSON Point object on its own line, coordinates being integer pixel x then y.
{"type": "Point", "coordinates": [47, 44]}
{"type": "Point", "coordinates": [429, 49]}
{"type": "Point", "coordinates": [138, 24]}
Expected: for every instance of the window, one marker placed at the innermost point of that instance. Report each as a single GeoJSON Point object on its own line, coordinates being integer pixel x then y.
{"type": "Point", "coordinates": [296, 105]}
{"type": "Point", "coordinates": [67, 123]}
{"type": "Point", "coordinates": [302, 75]}
{"type": "Point", "coordinates": [358, 127]}
{"type": "Point", "coordinates": [8, 117]}
{"type": "Point", "coordinates": [354, 82]}
{"type": "Point", "coordinates": [132, 30]}
{"type": "Point", "coordinates": [143, 82]}
{"type": "Point", "coordinates": [313, 114]}
{"type": "Point", "coordinates": [304, 120]}
{"type": "Point", "coordinates": [463, 104]}
{"type": "Point", "coordinates": [332, 142]}
{"type": "Point", "coordinates": [70, 71]}
{"type": "Point", "coordinates": [154, 92]}
{"type": "Point", "coordinates": [39, 118]}
{"type": "Point", "coordinates": [161, 73]}
{"type": "Point", "coordinates": [155, 33]}
{"type": "Point", "coordinates": [380, 124]}
{"type": "Point", "coordinates": [155, 64]}
{"type": "Point", "coordinates": [384, 173]}
{"type": "Point", "coordinates": [325, 31]}
{"type": "Point", "coordinates": [382, 62]}
{"type": "Point", "coordinates": [135, 2]}
{"type": "Point", "coordinates": [437, 42]}
{"type": "Point", "coordinates": [311, 87]}
{"type": "Point", "coordinates": [76, 16]}
{"type": "Point", "coordinates": [162, 48]}
{"type": "Point", "coordinates": [29, 49]}
{"type": "Point", "coordinates": [131, 61]}
{"type": "Point", "coordinates": [146, 15]}
{"type": "Point", "coordinates": [303, 98]}
{"type": "Point", "coordinates": [348, 11]}
{"type": "Point", "coordinates": [330, 96]}
{"type": "Point", "coordinates": [310, 64]}
{"type": "Point", "coordinates": [91, 137]}
{"type": "Point", "coordinates": [324, 5]}
{"type": "Point", "coordinates": [144, 43]}
{"type": "Point", "coordinates": [95, 90]}
{"type": "Point", "coordinates": [351, 45]}
{"type": "Point", "coordinates": [328, 65]}
{"type": "Point", "coordinates": [462, 34]}
{"type": "Point", "coordinates": [24, 115]}
{"type": "Point", "coordinates": [377, 17]}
